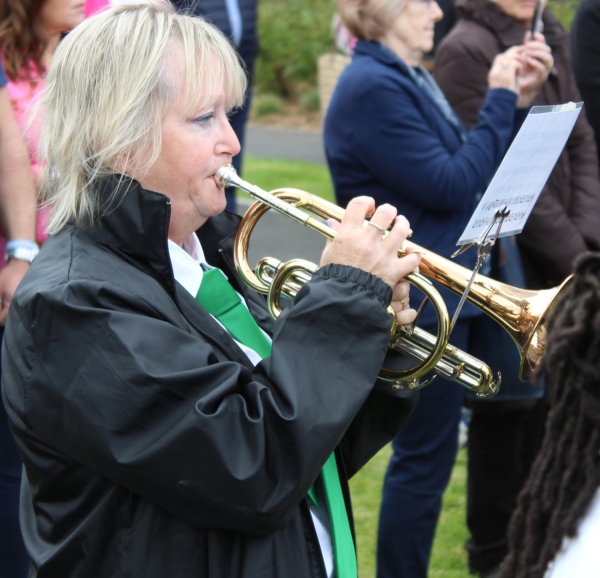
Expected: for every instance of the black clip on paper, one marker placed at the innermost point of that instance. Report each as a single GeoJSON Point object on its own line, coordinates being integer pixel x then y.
{"type": "Point", "coordinates": [484, 248]}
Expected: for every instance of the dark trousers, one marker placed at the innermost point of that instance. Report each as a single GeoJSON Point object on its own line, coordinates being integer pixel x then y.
{"type": "Point", "coordinates": [419, 471]}
{"type": "Point", "coordinates": [504, 438]}
{"type": "Point", "coordinates": [14, 562]}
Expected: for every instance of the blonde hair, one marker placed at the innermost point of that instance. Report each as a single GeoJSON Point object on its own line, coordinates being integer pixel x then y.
{"type": "Point", "coordinates": [108, 89]}
{"type": "Point", "coordinates": [369, 19]}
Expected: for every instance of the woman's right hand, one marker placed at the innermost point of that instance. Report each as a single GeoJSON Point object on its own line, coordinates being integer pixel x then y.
{"type": "Point", "coordinates": [505, 69]}
{"type": "Point", "coordinates": [537, 62]}
{"type": "Point", "coordinates": [364, 247]}
{"type": "Point", "coordinates": [523, 69]}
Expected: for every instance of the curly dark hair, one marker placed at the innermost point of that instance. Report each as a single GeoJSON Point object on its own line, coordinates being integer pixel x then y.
{"type": "Point", "coordinates": [566, 473]}
{"type": "Point", "coordinates": [19, 42]}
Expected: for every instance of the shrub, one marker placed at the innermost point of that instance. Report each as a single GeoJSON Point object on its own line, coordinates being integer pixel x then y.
{"type": "Point", "coordinates": [293, 33]}
{"type": "Point", "coordinates": [309, 100]}
{"type": "Point", "coordinates": [564, 10]}
{"type": "Point", "coordinates": [265, 104]}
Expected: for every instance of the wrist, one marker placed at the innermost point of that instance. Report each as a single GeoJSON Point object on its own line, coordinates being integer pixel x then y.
{"type": "Point", "coordinates": [22, 249]}
{"type": "Point", "coordinates": [524, 101]}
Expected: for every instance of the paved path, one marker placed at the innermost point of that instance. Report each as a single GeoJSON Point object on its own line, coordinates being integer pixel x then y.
{"type": "Point", "coordinates": [281, 143]}
{"type": "Point", "coordinates": [278, 236]}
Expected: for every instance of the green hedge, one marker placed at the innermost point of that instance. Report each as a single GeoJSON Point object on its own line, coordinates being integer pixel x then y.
{"type": "Point", "coordinates": [293, 33]}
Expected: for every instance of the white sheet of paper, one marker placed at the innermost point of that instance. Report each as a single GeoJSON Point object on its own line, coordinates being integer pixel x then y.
{"type": "Point", "coordinates": [524, 170]}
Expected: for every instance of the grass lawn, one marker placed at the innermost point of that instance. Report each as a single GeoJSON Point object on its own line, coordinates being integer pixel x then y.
{"type": "Point", "coordinates": [449, 559]}
{"type": "Point", "coordinates": [270, 174]}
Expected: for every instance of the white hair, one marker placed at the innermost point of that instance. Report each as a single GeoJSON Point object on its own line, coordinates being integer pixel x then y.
{"type": "Point", "coordinates": [369, 19]}
{"type": "Point", "coordinates": [108, 89]}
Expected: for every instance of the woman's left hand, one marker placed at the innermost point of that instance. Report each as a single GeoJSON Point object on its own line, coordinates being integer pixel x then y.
{"type": "Point", "coordinates": [537, 61]}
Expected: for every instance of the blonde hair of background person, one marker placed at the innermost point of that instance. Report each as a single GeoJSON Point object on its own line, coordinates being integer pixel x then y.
{"type": "Point", "coordinates": [369, 19]}
{"type": "Point", "coordinates": [96, 124]}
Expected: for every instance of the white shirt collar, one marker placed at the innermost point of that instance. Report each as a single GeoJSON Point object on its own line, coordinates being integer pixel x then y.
{"type": "Point", "coordinates": [187, 271]}
{"type": "Point", "coordinates": [186, 263]}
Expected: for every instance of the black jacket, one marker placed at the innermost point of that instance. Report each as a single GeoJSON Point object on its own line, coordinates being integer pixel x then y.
{"type": "Point", "coordinates": [152, 446]}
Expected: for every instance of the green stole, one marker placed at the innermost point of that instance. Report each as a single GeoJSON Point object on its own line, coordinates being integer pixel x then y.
{"type": "Point", "coordinates": [219, 298]}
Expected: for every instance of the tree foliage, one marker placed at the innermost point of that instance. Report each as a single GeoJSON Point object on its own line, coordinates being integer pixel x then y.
{"type": "Point", "coordinates": [293, 33]}
{"type": "Point", "coordinates": [564, 10]}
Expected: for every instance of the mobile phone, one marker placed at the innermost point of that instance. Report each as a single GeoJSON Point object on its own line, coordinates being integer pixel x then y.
{"type": "Point", "coordinates": [537, 18]}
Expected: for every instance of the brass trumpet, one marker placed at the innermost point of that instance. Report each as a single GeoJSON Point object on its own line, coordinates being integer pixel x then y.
{"type": "Point", "coordinates": [522, 313]}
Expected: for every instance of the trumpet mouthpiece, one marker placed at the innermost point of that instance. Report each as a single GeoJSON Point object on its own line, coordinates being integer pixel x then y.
{"type": "Point", "coordinates": [225, 175]}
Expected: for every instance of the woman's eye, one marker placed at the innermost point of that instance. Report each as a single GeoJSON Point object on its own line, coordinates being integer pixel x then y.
{"type": "Point", "coordinates": [204, 119]}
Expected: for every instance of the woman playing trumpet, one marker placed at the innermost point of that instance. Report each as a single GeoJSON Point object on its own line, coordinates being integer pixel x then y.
{"type": "Point", "coordinates": [168, 426]}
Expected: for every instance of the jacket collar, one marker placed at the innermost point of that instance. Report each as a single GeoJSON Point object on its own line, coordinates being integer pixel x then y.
{"type": "Point", "coordinates": [491, 16]}
{"type": "Point", "coordinates": [376, 50]}
{"type": "Point", "coordinates": [135, 222]}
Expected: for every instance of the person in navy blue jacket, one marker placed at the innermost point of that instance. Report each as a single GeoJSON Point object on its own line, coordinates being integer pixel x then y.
{"type": "Point", "coordinates": [391, 134]}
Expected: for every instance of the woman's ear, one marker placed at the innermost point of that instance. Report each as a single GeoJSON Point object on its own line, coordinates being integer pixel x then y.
{"type": "Point", "coordinates": [123, 165]}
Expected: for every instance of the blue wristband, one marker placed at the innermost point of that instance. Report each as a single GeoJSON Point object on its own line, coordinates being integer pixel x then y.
{"type": "Point", "coordinates": [22, 249]}
{"type": "Point", "coordinates": [24, 243]}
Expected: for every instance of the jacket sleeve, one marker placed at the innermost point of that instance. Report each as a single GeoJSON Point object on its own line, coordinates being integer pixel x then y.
{"type": "Point", "coordinates": [461, 72]}
{"type": "Point", "coordinates": [585, 180]}
{"type": "Point", "coordinates": [378, 422]}
{"type": "Point", "coordinates": [400, 146]}
{"type": "Point", "coordinates": [147, 405]}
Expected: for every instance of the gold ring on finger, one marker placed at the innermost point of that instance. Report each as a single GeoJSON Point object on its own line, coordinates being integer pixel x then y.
{"type": "Point", "coordinates": [382, 229]}
{"type": "Point", "coordinates": [504, 63]}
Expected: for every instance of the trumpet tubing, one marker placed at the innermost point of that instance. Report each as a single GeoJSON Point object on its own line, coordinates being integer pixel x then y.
{"type": "Point", "coordinates": [522, 313]}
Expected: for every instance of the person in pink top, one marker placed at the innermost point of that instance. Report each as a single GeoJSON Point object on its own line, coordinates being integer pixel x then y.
{"type": "Point", "coordinates": [94, 6]}
{"type": "Point", "coordinates": [30, 31]}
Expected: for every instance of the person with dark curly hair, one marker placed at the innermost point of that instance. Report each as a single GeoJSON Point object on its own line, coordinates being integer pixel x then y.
{"type": "Point", "coordinates": [555, 531]}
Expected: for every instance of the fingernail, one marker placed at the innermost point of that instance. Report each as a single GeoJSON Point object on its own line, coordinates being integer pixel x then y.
{"type": "Point", "coordinates": [328, 223]}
